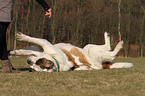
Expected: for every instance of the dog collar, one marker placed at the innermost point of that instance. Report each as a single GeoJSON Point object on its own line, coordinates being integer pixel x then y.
{"type": "Point", "coordinates": [56, 63]}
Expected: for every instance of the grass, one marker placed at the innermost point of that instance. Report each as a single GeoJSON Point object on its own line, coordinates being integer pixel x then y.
{"type": "Point", "coordinates": [112, 82]}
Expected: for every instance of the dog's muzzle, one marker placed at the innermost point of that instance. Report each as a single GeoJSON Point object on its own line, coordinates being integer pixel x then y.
{"type": "Point", "coordinates": [41, 64]}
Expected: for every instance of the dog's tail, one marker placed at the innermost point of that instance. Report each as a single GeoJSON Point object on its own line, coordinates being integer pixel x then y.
{"type": "Point", "coordinates": [121, 65]}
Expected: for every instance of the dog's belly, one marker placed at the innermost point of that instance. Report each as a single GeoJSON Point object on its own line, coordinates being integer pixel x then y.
{"type": "Point", "coordinates": [74, 55]}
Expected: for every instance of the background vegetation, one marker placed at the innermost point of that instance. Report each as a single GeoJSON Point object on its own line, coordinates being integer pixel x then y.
{"type": "Point", "coordinates": [80, 22]}
{"type": "Point", "coordinates": [107, 82]}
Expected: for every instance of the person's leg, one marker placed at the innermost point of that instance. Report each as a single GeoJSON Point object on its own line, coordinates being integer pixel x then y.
{"type": "Point", "coordinates": [6, 64]}
{"type": "Point", "coordinates": [3, 45]}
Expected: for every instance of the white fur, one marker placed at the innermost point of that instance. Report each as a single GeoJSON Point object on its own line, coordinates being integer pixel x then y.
{"type": "Point", "coordinates": [95, 54]}
{"type": "Point", "coordinates": [68, 47]}
{"type": "Point", "coordinates": [106, 46]}
{"type": "Point", "coordinates": [101, 53]}
{"type": "Point", "coordinates": [121, 65]}
{"type": "Point", "coordinates": [48, 48]}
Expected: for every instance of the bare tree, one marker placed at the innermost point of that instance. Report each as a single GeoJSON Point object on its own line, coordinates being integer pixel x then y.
{"type": "Point", "coordinates": [119, 16]}
{"type": "Point", "coordinates": [16, 20]}
{"type": "Point", "coordinates": [141, 36]}
{"type": "Point", "coordinates": [27, 18]}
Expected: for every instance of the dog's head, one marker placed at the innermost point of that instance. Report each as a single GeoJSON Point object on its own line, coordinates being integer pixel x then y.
{"type": "Point", "coordinates": [41, 63]}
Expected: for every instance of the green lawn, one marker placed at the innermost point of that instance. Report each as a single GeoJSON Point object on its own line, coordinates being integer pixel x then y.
{"type": "Point", "coordinates": [108, 82]}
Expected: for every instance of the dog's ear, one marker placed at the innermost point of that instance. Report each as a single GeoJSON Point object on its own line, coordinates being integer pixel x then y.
{"type": "Point", "coordinates": [44, 62]}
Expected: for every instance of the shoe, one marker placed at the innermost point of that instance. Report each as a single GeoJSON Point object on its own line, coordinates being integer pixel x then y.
{"type": "Point", "coordinates": [7, 67]}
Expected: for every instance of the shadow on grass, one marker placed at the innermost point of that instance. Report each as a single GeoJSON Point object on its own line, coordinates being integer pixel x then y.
{"type": "Point", "coordinates": [26, 69]}
{"type": "Point", "coordinates": [22, 69]}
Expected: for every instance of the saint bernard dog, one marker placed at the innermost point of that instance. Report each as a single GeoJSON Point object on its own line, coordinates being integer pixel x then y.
{"type": "Point", "coordinates": [66, 57]}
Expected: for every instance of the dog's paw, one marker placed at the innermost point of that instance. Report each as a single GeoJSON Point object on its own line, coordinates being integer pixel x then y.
{"type": "Point", "coordinates": [120, 44]}
{"type": "Point", "coordinates": [12, 52]}
{"type": "Point", "coordinates": [107, 35]}
{"type": "Point", "coordinates": [20, 36]}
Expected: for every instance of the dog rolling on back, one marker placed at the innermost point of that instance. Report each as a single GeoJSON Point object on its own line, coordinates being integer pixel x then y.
{"type": "Point", "coordinates": [66, 57]}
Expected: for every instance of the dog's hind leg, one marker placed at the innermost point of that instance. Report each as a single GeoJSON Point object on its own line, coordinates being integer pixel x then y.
{"type": "Point", "coordinates": [117, 49]}
{"type": "Point", "coordinates": [106, 46]}
{"type": "Point", "coordinates": [107, 41]}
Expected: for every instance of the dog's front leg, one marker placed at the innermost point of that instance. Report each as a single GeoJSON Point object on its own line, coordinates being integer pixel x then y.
{"type": "Point", "coordinates": [118, 47]}
{"type": "Point", "coordinates": [25, 52]}
{"type": "Point", "coordinates": [41, 42]}
{"type": "Point", "coordinates": [47, 46]}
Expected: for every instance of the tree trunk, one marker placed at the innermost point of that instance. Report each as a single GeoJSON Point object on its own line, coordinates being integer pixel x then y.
{"type": "Point", "coordinates": [27, 18]}
{"type": "Point", "coordinates": [119, 16]}
{"type": "Point", "coordinates": [16, 20]}
{"type": "Point", "coordinates": [142, 31]}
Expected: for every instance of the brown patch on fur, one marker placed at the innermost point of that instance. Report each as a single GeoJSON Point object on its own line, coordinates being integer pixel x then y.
{"type": "Point", "coordinates": [70, 58]}
{"type": "Point", "coordinates": [81, 56]}
{"type": "Point", "coordinates": [106, 65]}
